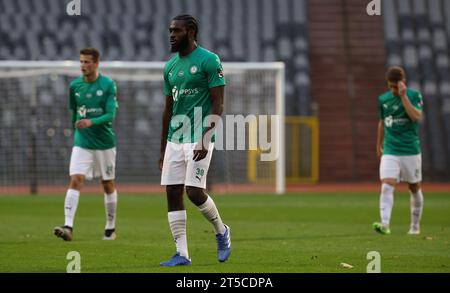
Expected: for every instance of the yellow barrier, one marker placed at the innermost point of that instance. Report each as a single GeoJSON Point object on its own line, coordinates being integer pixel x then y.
{"type": "Point", "coordinates": [302, 139]}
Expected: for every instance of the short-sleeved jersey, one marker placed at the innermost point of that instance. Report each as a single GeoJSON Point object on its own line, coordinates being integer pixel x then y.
{"type": "Point", "coordinates": [96, 101]}
{"type": "Point", "coordinates": [401, 135]}
{"type": "Point", "coordinates": [187, 79]}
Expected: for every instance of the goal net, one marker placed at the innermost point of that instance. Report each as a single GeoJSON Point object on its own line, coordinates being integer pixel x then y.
{"type": "Point", "coordinates": [36, 136]}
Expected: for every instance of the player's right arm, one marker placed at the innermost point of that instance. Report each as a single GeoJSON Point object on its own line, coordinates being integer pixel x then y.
{"type": "Point", "coordinates": [380, 138]}
{"type": "Point", "coordinates": [73, 106]}
{"type": "Point", "coordinates": [167, 116]}
{"type": "Point", "coordinates": [380, 131]}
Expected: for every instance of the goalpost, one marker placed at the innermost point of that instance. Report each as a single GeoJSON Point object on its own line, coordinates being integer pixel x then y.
{"type": "Point", "coordinates": [36, 135]}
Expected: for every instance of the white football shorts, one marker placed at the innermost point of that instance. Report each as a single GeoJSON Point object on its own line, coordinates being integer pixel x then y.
{"type": "Point", "coordinates": [180, 168]}
{"type": "Point", "coordinates": [403, 168]}
{"type": "Point", "coordinates": [93, 163]}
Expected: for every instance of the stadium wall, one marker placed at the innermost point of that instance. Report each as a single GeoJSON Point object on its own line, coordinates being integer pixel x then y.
{"type": "Point", "coordinates": [347, 72]}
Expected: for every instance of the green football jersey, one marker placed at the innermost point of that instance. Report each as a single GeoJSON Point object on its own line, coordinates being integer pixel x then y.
{"type": "Point", "coordinates": [401, 135]}
{"type": "Point", "coordinates": [96, 101]}
{"type": "Point", "coordinates": [187, 79]}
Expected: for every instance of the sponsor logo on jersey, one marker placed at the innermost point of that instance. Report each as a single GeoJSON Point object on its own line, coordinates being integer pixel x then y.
{"type": "Point", "coordinates": [82, 111]}
{"type": "Point", "coordinates": [389, 121]}
{"type": "Point", "coordinates": [94, 110]}
{"type": "Point", "coordinates": [181, 73]}
{"type": "Point", "coordinates": [175, 93]}
{"type": "Point", "coordinates": [189, 92]}
{"type": "Point", "coordinates": [193, 69]}
{"type": "Point", "coordinates": [89, 95]}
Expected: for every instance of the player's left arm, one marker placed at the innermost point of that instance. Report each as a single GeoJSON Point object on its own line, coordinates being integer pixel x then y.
{"type": "Point", "coordinates": [216, 84]}
{"type": "Point", "coordinates": [216, 96]}
{"type": "Point", "coordinates": [414, 111]}
{"type": "Point", "coordinates": [108, 116]}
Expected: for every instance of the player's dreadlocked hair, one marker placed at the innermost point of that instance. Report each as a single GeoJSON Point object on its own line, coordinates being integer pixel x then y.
{"type": "Point", "coordinates": [191, 22]}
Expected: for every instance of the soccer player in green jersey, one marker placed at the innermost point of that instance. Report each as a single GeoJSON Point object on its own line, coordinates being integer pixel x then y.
{"type": "Point", "coordinates": [398, 145]}
{"type": "Point", "coordinates": [193, 85]}
{"type": "Point", "coordinates": [93, 103]}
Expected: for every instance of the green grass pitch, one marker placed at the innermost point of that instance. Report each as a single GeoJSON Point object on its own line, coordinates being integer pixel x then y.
{"type": "Point", "coordinates": [291, 233]}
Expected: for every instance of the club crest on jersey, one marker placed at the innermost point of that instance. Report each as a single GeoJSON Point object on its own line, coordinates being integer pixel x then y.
{"type": "Point", "coordinates": [193, 69]}
{"type": "Point", "coordinates": [99, 93]}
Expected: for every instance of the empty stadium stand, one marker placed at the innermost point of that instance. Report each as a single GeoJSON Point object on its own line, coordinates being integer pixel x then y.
{"type": "Point", "coordinates": [417, 37]}
{"type": "Point", "coordinates": [137, 30]}
{"type": "Point", "coordinates": [335, 58]}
